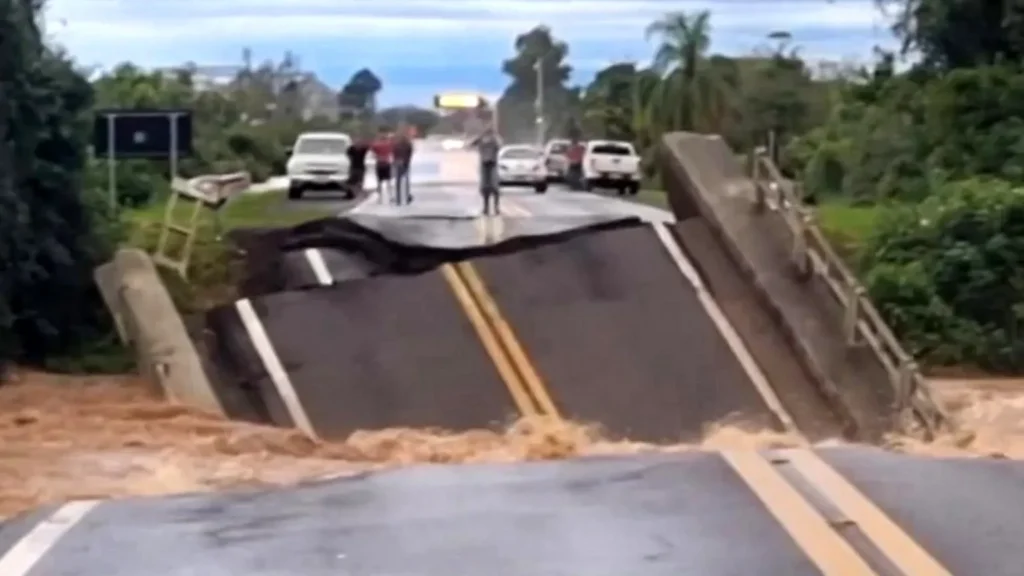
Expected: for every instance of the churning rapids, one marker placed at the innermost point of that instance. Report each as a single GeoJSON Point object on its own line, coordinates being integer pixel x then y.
{"type": "Point", "coordinates": [64, 438]}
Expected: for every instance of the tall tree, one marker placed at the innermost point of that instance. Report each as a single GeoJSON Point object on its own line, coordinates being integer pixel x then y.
{"type": "Point", "coordinates": [360, 93]}
{"type": "Point", "coordinates": [539, 62]}
{"type": "Point", "coordinates": [48, 231]}
{"type": "Point", "coordinates": [960, 33]}
{"type": "Point", "coordinates": [610, 102]}
{"type": "Point", "coordinates": [681, 59]}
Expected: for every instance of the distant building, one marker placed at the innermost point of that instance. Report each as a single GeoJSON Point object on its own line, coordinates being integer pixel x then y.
{"type": "Point", "coordinates": [318, 99]}
{"type": "Point", "coordinates": [314, 97]}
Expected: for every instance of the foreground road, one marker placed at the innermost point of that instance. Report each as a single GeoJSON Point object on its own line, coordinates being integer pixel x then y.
{"type": "Point", "coordinates": [785, 514]}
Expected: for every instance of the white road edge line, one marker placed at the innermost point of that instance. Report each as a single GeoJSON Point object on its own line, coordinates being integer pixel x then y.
{"type": "Point", "coordinates": [515, 209]}
{"type": "Point", "coordinates": [32, 547]}
{"type": "Point", "coordinates": [272, 364]}
{"type": "Point", "coordinates": [371, 198]}
{"type": "Point", "coordinates": [732, 339]}
{"type": "Point", "coordinates": [319, 266]}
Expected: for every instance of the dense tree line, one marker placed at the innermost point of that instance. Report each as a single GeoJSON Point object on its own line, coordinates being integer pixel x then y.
{"type": "Point", "coordinates": [929, 139]}
{"type": "Point", "coordinates": [938, 149]}
{"type": "Point", "coordinates": [686, 87]}
{"type": "Point", "coordinates": [55, 221]}
{"type": "Point", "coordinates": [934, 148]}
{"type": "Point", "coordinates": [51, 233]}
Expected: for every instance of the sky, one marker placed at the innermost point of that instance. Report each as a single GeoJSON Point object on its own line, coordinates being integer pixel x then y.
{"type": "Point", "coordinates": [422, 47]}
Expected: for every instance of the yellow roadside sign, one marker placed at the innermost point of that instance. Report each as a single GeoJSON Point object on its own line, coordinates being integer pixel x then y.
{"type": "Point", "coordinates": [458, 101]}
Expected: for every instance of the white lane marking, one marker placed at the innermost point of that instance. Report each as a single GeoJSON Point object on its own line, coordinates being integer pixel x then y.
{"type": "Point", "coordinates": [27, 552]}
{"type": "Point", "coordinates": [732, 339]}
{"type": "Point", "coordinates": [272, 364]}
{"type": "Point", "coordinates": [319, 266]}
{"type": "Point", "coordinates": [515, 209]}
{"type": "Point", "coordinates": [363, 204]}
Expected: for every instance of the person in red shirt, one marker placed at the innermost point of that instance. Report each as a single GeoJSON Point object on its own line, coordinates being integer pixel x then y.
{"type": "Point", "coordinates": [574, 155]}
{"type": "Point", "coordinates": [383, 152]}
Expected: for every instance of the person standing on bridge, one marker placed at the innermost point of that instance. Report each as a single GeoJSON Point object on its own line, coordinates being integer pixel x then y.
{"type": "Point", "coordinates": [403, 160]}
{"type": "Point", "coordinates": [488, 144]}
{"type": "Point", "coordinates": [574, 155]}
{"type": "Point", "coordinates": [357, 152]}
{"type": "Point", "coordinates": [383, 149]}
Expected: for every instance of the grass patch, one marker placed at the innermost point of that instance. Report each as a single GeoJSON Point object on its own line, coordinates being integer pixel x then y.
{"type": "Point", "coordinates": [847, 226]}
{"type": "Point", "coordinates": [247, 210]}
{"type": "Point", "coordinates": [652, 197]}
{"type": "Point", "coordinates": [215, 268]}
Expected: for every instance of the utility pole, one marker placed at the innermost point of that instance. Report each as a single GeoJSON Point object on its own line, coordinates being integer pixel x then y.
{"type": "Point", "coordinates": [539, 67]}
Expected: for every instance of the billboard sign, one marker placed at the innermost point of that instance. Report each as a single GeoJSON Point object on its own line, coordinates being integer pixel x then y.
{"type": "Point", "coordinates": [458, 101]}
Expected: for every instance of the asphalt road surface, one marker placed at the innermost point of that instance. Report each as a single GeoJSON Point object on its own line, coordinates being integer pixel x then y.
{"type": "Point", "coordinates": [669, 365]}
{"type": "Point", "coordinates": [838, 512]}
{"type": "Point", "coordinates": [614, 326]}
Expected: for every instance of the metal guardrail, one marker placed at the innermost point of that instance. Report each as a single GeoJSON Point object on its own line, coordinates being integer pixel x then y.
{"type": "Point", "coordinates": [813, 255]}
{"type": "Point", "coordinates": [210, 191]}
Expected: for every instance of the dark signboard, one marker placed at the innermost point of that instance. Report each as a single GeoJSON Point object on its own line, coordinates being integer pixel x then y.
{"type": "Point", "coordinates": [142, 133]}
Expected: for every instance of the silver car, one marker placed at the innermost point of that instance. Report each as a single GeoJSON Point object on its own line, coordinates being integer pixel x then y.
{"type": "Point", "coordinates": [555, 160]}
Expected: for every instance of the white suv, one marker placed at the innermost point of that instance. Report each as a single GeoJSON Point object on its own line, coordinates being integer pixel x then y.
{"type": "Point", "coordinates": [319, 161]}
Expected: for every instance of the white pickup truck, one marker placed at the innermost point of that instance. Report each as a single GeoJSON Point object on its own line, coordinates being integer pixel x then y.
{"type": "Point", "coordinates": [319, 161]}
{"type": "Point", "coordinates": [613, 165]}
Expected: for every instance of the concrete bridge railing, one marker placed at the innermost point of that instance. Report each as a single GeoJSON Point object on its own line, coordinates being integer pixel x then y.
{"type": "Point", "coordinates": [833, 327]}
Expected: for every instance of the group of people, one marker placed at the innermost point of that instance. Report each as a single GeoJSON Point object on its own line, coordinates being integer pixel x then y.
{"type": "Point", "coordinates": [392, 154]}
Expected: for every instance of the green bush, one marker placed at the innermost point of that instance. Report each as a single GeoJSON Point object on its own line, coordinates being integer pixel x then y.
{"type": "Point", "coordinates": [948, 274]}
{"type": "Point", "coordinates": [52, 232]}
{"type": "Point", "coordinates": [898, 138]}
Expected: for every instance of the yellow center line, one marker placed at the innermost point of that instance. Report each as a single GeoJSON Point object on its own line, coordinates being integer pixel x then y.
{"type": "Point", "coordinates": [889, 538]}
{"type": "Point", "coordinates": [494, 349]}
{"type": "Point", "coordinates": [832, 554]}
{"type": "Point", "coordinates": [529, 377]}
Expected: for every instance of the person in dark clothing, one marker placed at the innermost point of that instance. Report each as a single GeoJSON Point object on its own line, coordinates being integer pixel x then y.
{"type": "Point", "coordinates": [403, 150]}
{"type": "Point", "coordinates": [574, 155]}
{"type": "Point", "coordinates": [357, 153]}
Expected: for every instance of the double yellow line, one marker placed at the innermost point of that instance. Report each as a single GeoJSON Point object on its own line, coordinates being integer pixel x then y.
{"type": "Point", "coordinates": [528, 390]}
{"type": "Point", "coordinates": [820, 537]}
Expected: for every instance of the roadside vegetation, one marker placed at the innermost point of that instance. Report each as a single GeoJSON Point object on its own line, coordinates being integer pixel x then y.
{"type": "Point", "coordinates": [915, 161]}
{"type": "Point", "coordinates": [916, 168]}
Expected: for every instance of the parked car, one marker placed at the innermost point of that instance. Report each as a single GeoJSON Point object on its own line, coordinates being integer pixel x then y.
{"type": "Point", "coordinates": [555, 161]}
{"type": "Point", "coordinates": [319, 161]}
{"type": "Point", "coordinates": [522, 165]}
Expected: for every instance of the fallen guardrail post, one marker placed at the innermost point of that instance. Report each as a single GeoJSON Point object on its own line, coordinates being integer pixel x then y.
{"type": "Point", "coordinates": [210, 192]}
{"type": "Point", "coordinates": [148, 322]}
{"type": "Point", "coordinates": [812, 254]}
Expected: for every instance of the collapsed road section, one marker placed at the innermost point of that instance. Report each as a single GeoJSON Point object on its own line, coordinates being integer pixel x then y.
{"type": "Point", "coordinates": [396, 324]}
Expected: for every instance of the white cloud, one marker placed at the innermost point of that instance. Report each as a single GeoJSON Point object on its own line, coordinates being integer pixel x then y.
{"type": "Point", "coordinates": [435, 33]}
{"type": "Point", "coordinates": [111, 21]}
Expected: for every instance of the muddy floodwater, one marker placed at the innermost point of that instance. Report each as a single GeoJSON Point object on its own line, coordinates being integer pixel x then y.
{"type": "Point", "coordinates": [64, 438]}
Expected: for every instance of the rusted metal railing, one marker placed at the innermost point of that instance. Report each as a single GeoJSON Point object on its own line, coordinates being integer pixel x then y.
{"type": "Point", "coordinates": [203, 192]}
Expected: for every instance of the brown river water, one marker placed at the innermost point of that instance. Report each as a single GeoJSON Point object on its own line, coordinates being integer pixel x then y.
{"type": "Point", "coordinates": [64, 438]}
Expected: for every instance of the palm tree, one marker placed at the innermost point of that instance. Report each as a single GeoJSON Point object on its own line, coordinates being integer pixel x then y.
{"type": "Point", "coordinates": [689, 87]}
